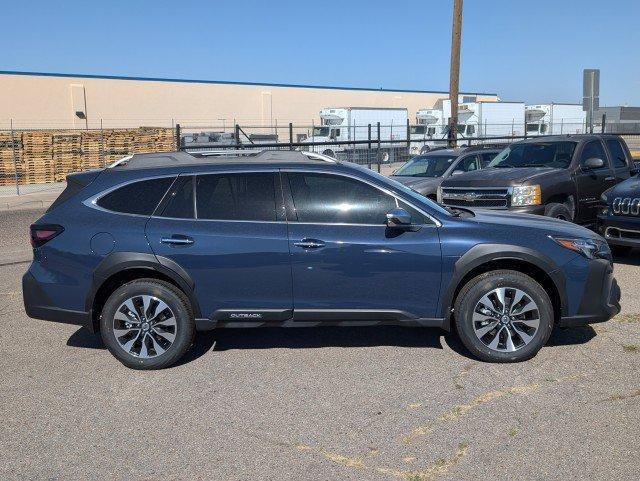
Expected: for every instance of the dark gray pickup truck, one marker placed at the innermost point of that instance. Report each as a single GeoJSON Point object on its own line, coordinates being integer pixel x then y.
{"type": "Point", "coordinates": [557, 176]}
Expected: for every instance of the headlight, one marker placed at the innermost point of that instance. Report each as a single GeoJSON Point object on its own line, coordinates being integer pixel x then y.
{"type": "Point", "coordinates": [590, 248]}
{"type": "Point", "coordinates": [526, 195]}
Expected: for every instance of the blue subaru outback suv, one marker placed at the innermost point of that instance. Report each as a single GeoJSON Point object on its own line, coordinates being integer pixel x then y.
{"type": "Point", "coordinates": [160, 246]}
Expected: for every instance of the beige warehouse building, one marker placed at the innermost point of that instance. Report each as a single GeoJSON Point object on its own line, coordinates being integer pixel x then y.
{"type": "Point", "coordinates": [46, 100]}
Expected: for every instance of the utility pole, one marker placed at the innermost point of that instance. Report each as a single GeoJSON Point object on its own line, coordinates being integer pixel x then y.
{"type": "Point", "coordinates": [454, 75]}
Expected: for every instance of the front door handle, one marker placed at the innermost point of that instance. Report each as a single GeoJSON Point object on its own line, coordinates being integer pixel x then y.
{"type": "Point", "coordinates": [611, 177]}
{"type": "Point", "coordinates": [309, 244]}
{"type": "Point", "coordinates": [178, 240]}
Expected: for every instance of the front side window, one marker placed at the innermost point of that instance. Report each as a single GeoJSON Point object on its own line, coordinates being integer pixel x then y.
{"type": "Point", "coordinates": [617, 153]}
{"type": "Point", "coordinates": [537, 154]}
{"type": "Point", "coordinates": [592, 150]}
{"type": "Point", "coordinates": [241, 197]}
{"type": "Point", "coordinates": [331, 199]}
{"type": "Point", "coordinates": [426, 166]}
{"type": "Point", "coordinates": [139, 198]}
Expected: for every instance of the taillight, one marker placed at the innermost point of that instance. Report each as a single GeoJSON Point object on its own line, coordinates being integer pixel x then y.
{"type": "Point", "coordinates": [43, 233]}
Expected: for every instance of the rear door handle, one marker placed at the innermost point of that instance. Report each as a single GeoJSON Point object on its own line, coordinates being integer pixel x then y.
{"type": "Point", "coordinates": [178, 240]}
{"type": "Point", "coordinates": [309, 244]}
{"type": "Point", "coordinates": [610, 178]}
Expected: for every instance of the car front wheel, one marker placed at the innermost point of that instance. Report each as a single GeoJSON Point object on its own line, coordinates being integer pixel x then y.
{"type": "Point", "coordinates": [147, 324]}
{"type": "Point", "coordinates": [503, 316]}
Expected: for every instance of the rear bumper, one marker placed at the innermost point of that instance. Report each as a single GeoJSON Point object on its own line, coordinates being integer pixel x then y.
{"type": "Point", "coordinates": [601, 297]}
{"type": "Point", "coordinates": [38, 306]}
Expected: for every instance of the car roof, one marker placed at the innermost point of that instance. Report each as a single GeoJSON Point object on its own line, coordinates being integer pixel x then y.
{"type": "Point", "coordinates": [567, 137]}
{"type": "Point", "coordinates": [168, 160]}
{"type": "Point", "coordinates": [465, 150]}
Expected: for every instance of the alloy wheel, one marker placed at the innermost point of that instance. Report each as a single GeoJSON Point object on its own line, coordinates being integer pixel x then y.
{"type": "Point", "coordinates": [506, 319]}
{"type": "Point", "coordinates": [144, 326]}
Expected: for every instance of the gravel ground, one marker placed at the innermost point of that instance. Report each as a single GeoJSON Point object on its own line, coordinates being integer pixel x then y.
{"type": "Point", "coordinates": [322, 404]}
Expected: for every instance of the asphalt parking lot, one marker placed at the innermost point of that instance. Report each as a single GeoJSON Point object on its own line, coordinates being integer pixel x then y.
{"type": "Point", "coordinates": [315, 404]}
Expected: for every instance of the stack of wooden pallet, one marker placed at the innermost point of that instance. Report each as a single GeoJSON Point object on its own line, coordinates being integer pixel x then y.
{"type": "Point", "coordinates": [150, 139]}
{"type": "Point", "coordinates": [8, 145]}
{"type": "Point", "coordinates": [66, 151]}
{"type": "Point", "coordinates": [37, 157]}
{"type": "Point", "coordinates": [92, 146]}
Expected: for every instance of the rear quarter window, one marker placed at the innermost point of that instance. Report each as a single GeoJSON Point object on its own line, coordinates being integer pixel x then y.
{"type": "Point", "coordinates": [140, 197]}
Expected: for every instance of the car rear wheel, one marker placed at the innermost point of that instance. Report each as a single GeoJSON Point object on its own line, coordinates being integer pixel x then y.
{"type": "Point", "coordinates": [503, 316]}
{"type": "Point", "coordinates": [147, 324]}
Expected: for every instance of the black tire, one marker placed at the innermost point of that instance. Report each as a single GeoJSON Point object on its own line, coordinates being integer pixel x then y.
{"type": "Point", "coordinates": [483, 284]}
{"type": "Point", "coordinates": [621, 251]}
{"type": "Point", "coordinates": [424, 149]}
{"type": "Point", "coordinates": [558, 211]}
{"type": "Point", "coordinates": [180, 307]}
{"type": "Point", "coordinates": [330, 153]}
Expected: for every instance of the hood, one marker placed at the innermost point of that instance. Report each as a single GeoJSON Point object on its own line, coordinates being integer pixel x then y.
{"type": "Point", "coordinates": [424, 185]}
{"type": "Point", "coordinates": [549, 225]}
{"type": "Point", "coordinates": [628, 188]}
{"type": "Point", "coordinates": [490, 177]}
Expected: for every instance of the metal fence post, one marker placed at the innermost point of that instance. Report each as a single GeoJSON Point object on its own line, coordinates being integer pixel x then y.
{"type": "Point", "coordinates": [15, 160]}
{"type": "Point", "coordinates": [237, 135]}
{"type": "Point", "coordinates": [290, 135]}
{"type": "Point", "coordinates": [408, 136]}
{"type": "Point", "coordinates": [369, 144]}
{"type": "Point", "coordinates": [178, 143]}
{"type": "Point", "coordinates": [378, 151]}
{"type": "Point", "coordinates": [604, 120]}
{"type": "Point", "coordinates": [102, 158]}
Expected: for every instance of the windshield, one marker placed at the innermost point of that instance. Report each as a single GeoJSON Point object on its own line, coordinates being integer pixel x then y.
{"type": "Point", "coordinates": [417, 129]}
{"type": "Point", "coordinates": [426, 166]}
{"type": "Point", "coordinates": [321, 131]}
{"type": "Point", "coordinates": [547, 154]}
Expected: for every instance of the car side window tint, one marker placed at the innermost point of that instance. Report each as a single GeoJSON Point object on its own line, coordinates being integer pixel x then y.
{"type": "Point", "coordinates": [246, 197]}
{"type": "Point", "coordinates": [593, 149]}
{"type": "Point", "coordinates": [487, 157]}
{"type": "Point", "coordinates": [417, 217]}
{"type": "Point", "coordinates": [137, 197]}
{"type": "Point", "coordinates": [334, 199]}
{"type": "Point", "coordinates": [617, 153]}
{"type": "Point", "coordinates": [468, 164]}
{"type": "Point", "coordinates": [180, 202]}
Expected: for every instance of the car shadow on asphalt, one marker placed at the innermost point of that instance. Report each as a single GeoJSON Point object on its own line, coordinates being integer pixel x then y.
{"type": "Point", "coordinates": [320, 337]}
{"type": "Point", "coordinates": [631, 259]}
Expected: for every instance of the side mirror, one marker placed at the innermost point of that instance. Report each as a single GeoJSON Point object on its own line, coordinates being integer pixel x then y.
{"type": "Point", "coordinates": [593, 163]}
{"type": "Point", "coordinates": [398, 219]}
{"type": "Point", "coordinates": [457, 172]}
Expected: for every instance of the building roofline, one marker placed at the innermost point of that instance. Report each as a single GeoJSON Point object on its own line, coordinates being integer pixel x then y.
{"type": "Point", "coordinates": [226, 82]}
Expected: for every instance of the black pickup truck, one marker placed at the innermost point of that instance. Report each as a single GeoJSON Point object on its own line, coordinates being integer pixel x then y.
{"type": "Point", "coordinates": [557, 176]}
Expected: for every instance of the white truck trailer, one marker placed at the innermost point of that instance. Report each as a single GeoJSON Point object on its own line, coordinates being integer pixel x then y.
{"type": "Point", "coordinates": [555, 119]}
{"type": "Point", "coordinates": [491, 119]}
{"type": "Point", "coordinates": [346, 124]}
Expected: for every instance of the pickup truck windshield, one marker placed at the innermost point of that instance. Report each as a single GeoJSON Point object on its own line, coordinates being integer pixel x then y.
{"type": "Point", "coordinates": [426, 166]}
{"type": "Point", "coordinates": [539, 154]}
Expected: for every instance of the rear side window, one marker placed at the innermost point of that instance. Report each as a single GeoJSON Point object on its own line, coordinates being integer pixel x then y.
{"type": "Point", "coordinates": [617, 153]}
{"type": "Point", "coordinates": [137, 197]}
{"type": "Point", "coordinates": [247, 197]}
{"type": "Point", "coordinates": [179, 204]}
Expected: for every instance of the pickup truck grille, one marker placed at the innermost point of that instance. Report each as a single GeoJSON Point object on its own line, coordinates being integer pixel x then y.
{"type": "Point", "coordinates": [497, 198]}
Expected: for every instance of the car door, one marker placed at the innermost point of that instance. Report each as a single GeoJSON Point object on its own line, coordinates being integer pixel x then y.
{"type": "Point", "coordinates": [228, 232]}
{"type": "Point", "coordinates": [618, 157]}
{"type": "Point", "coordinates": [346, 264]}
{"type": "Point", "coordinates": [591, 183]}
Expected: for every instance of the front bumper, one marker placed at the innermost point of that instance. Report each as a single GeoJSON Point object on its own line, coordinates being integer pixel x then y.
{"type": "Point", "coordinates": [38, 305]}
{"type": "Point", "coordinates": [600, 300]}
{"type": "Point", "coordinates": [528, 209]}
{"type": "Point", "coordinates": [620, 230]}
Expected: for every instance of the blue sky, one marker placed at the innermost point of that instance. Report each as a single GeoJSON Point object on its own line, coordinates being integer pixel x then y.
{"type": "Point", "coordinates": [524, 50]}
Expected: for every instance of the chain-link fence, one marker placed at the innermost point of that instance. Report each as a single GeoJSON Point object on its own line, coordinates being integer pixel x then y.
{"type": "Point", "coordinates": [34, 157]}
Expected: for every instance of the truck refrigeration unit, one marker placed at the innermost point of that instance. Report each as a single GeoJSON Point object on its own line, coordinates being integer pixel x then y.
{"type": "Point", "coordinates": [347, 124]}
{"type": "Point", "coordinates": [555, 119]}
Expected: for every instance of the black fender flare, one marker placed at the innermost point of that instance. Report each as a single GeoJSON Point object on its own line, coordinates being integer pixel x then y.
{"type": "Point", "coordinates": [120, 261]}
{"type": "Point", "coordinates": [484, 253]}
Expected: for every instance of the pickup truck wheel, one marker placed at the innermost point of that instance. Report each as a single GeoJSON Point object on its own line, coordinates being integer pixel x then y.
{"type": "Point", "coordinates": [558, 211]}
{"type": "Point", "coordinates": [330, 153]}
{"type": "Point", "coordinates": [424, 149]}
{"type": "Point", "coordinates": [503, 316]}
{"type": "Point", "coordinates": [147, 324]}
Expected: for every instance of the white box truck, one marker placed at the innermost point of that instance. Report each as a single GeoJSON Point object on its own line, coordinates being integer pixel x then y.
{"type": "Point", "coordinates": [346, 124]}
{"type": "Point", "coordinates": [491, 119]}
{"type": "Point", "coordinates": [555, 119]}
